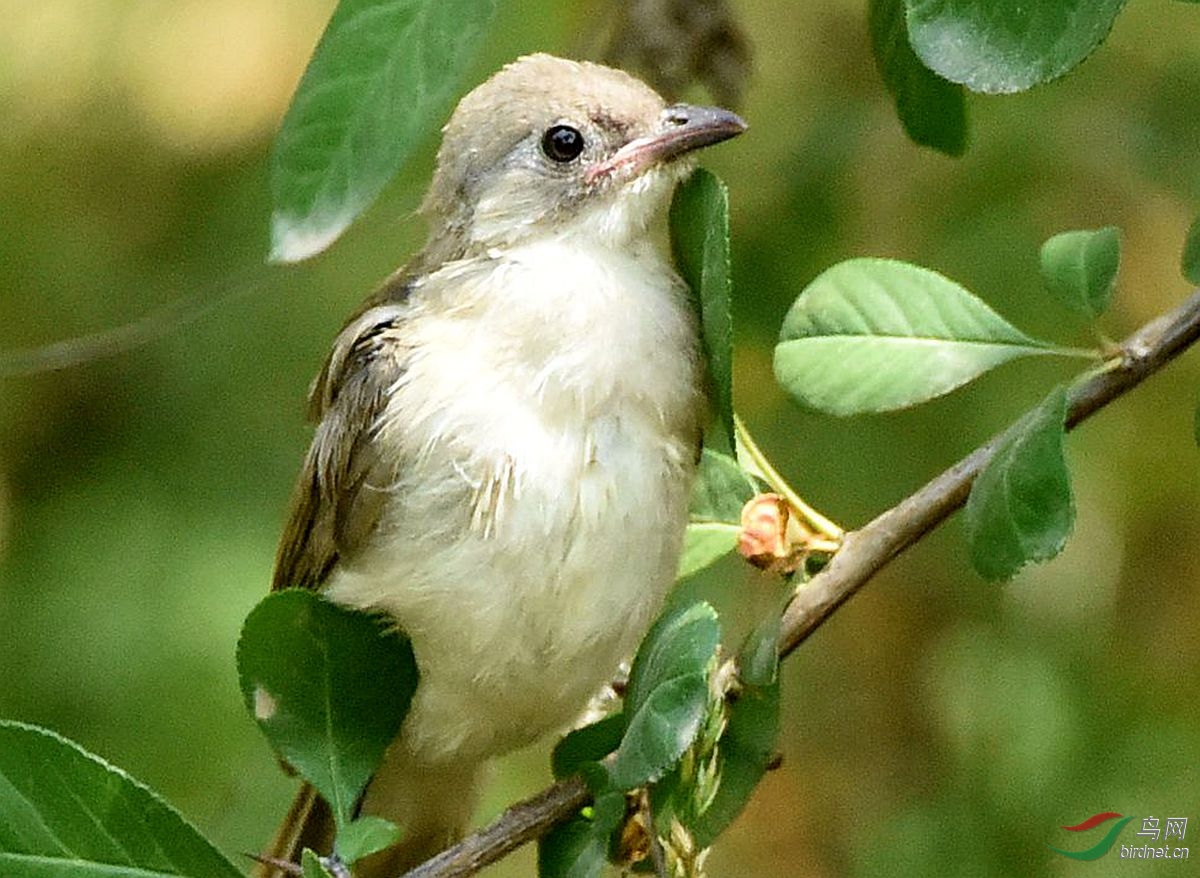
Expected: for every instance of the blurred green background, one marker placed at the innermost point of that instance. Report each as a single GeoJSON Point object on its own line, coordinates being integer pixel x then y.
{"type": "Point", "coordinates": [936, 725]}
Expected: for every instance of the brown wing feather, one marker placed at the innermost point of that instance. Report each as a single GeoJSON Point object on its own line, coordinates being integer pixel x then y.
{"type": "Point", "coordinates": [308, 824]}
{"type": "Point", "coordinates": [330, 513]}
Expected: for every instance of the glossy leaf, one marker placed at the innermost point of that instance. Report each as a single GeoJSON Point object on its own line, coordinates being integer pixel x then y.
{"type": "Point", "coordinates": [588, 744]}
{"type": "Point", "coordinates": [873, 335]}
{"type": "Point", "coordinates": [579, 847]}
{"type": "Point", "coordinates": [932, 110]}
{"type": "Point", "coordinates": [682, 642]}
{"type": "Point", "coordinates": [661, 728]}
{"type": "Point", "coordinates": [65, 813]}
{"type": "Point", "coordinates": [705, 544]}
{"type": "Point", "coordinates": [700, 239]}
{"type": "Point", "coordinates": [1020, 508]}
{"type": "Point", "coordinates": [381, 79]}
{"type": "Point", "coordinates": [1190, 261]}
{"type": "Point", "coordinates": [667, 694]}
{"type": "Point", "coordinates": [329, 688]}
{"type": "Point", "coordinates": [1080, 268]}
{"type": "Point", "coordinates": [1002, 46]}
{"type": "Point", "coordinates": [365, 836]}
{"type": "Point", "coordinates": [758, 659]}
{"type": "Point", "coordinates": [312, 867]}
{"type": "Point", "coordinates": [721, 490]}
{"type": "Point", "coordinates": [747, 746]}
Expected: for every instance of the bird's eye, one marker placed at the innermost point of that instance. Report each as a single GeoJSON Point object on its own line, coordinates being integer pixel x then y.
{"type": "Point", "coordinates": [562, 143]}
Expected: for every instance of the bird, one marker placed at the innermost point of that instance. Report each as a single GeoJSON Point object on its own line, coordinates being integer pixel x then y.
{"type": "Point", "coordinates": [507, 433]}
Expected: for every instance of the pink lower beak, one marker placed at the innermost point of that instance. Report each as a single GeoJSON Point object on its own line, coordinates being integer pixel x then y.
{"type": "Point", "coordinates": [684, 128]}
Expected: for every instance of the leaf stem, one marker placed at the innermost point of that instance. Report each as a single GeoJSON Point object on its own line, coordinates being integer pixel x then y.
{"type": "Point", "coordinates": [822, 525]}
{"type": "Point", "coordinates": [1077, 353]}
{"type": "Point", "coordinates": [825, 547]}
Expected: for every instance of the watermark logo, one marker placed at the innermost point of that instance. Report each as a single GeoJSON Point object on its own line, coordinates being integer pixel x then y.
{"type": "Point", "coordinates": [1152, 827]}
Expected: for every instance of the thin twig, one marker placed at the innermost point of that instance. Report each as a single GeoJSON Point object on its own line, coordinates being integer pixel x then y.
{"type": "Point", "coordinates": [521, 823]}
{"type": "Point", "coordinates": [863, 554]}
{"type": "Point", "coordinates": [157, 323]}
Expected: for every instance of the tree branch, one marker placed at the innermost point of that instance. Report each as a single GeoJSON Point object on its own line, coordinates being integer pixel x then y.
{"type": "Point", "coordinates": [521, 823]}
{"type": "Point", "coordinates": [866, 551]}
{"type": "Point", "coordinates": [863, 554]}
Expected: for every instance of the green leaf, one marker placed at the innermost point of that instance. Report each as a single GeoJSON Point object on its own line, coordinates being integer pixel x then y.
{"type": "Point", "coordinates": [746, 749]}
{"type": "Point", "coordinates": [365, 836]}
{"type": "Point", "coordinates": [588, 744]}
{"type": "Point", "coordinates": [747, 746]}
{"type": "Point", "coordinates": [660, 730]}
{"type": "Point", "coordinates": [682, 642]}
{"type": "Point", "coordinates": [873, 335]}
{"type": "Point", "coordinates": [758, 659]}
{"type": "Point", "coordinates": [667, 695]}
{"type": "Point", "coordinates": [328, 686]}
{"type": "Point", "coordinates": [721, 490]}
{"type": "Point", "coordinates": [312, 867]}
{"type": "Point", "coordinates": [932, 110]}
{"type": "Point", "coordinates": [700, 239]}
{"type": "Point", "coordinates": [579, 847]}
{"type": "Point", "coordinates": [1080, 268]}
{"type": "Point", "coordinates": [381, 78]}
{"type": "Point", "coordinates": [704, 544]}
{"type": "Point", "coordinates": [1002, 46]}
{"type": "Point", "coordinates": [65, 813]}
{"type": "Point", "coordinates": [1190, 261]}
{"type": "Point", "coordinates": [1020, 508]}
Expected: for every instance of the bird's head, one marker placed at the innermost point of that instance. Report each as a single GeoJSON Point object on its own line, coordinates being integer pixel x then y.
{"type": "Point", "coordinates": [549, 146]}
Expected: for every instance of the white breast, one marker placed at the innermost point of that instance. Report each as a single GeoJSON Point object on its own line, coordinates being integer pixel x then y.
{"type": "Point", "coordinates": [550, 410]}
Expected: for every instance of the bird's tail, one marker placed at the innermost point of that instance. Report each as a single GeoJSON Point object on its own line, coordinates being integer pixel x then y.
{"type": "Point", "coordinates": [308, 824]}
{"type": "Point", "coordinates": [431, 803]}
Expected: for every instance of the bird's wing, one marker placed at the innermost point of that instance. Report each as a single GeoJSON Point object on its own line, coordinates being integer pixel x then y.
{"type": "Point", "coordinates": [331, 513]}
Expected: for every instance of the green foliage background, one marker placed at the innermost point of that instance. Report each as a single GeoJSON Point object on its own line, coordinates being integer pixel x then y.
{"type": "Point", "coordinates": [937, 725]}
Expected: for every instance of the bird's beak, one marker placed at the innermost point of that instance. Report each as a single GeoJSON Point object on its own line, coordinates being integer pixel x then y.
{"type": "Point", "coordinates": [683, 128]}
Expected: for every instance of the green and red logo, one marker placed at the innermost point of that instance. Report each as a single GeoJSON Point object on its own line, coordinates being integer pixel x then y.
{"type": "Point", "coordinates": [1104, 845]}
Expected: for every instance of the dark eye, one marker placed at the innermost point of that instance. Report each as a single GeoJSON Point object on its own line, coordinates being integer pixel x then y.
{"type": "Point", "coordinates": [562, 143]}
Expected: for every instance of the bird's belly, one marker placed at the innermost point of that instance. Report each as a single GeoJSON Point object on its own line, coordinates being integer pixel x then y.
{"type": "Point", "coordinates": [520, 612]}
{"type": "Point", "coordinates": [547, 426]}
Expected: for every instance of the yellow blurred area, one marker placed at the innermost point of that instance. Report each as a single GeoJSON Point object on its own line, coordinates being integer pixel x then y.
{"type": "Point", "coordinates": [197, 76]}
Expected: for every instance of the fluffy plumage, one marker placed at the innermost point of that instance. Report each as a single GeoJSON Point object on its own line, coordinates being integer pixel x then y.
{"type": "Point", "coordinates": [506, 438]}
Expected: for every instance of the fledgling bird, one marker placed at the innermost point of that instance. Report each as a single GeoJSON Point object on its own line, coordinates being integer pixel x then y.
{"type": "Point", "coordinates": [507, 433]}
